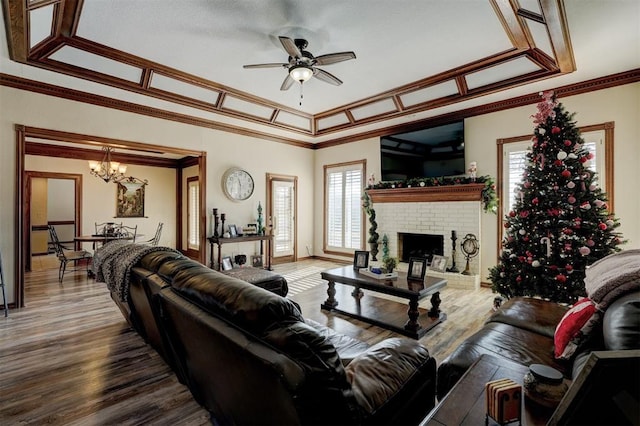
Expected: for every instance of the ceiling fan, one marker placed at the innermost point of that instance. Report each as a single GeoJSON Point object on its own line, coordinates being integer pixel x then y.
{"type": "Point", "coordinates": [302, 65]}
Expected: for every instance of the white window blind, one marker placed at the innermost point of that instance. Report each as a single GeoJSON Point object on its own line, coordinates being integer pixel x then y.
{"type": "Point", "coordinates": [193, 207]}
{"type": "Point", "coordinates": [343, 207]}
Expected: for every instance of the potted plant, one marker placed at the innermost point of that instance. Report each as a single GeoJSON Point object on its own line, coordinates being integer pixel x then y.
{"type": "Point", "coordinates": [389, 263]}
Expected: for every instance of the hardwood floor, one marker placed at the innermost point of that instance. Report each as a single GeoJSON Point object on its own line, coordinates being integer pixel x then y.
{"type": "Point", "coordinates": [69, 357]}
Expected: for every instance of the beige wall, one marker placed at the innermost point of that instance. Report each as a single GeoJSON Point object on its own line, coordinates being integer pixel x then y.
{"type": "Point", "coordinates": [620, 105]}
{"type": "Point", "coordinates": [259, 157]}
{"type": "Point", "coordinates": [223, 150]}
{"type": "Point", "coordinates": [99, 198]}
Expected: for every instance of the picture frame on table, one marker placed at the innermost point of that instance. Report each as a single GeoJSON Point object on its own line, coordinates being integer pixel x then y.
{"type": "Point", "coordinates": [226, 263]}
{"type": "Point", "coordinates": [417, 268]}
{"type": "Point", "coordinates": [439, 263]}
{"type": "Point", "coordinates": [360, 259]}
{"type": "Point", "coordinates": [256, 261]}
{"type": "Point", "coordinates": [233, 231]}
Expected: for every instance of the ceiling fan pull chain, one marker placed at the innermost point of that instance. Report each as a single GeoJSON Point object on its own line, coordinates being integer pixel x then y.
{"type": "Point", "coordinates": [300, 93]}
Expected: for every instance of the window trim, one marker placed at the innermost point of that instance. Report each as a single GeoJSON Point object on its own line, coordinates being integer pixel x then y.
{"type": "Point", "coordinates": [348, 252]}
{"type": "Point", "coordinates": [196, 215]}
{"type": "Point", "coordinates": [607, 127]}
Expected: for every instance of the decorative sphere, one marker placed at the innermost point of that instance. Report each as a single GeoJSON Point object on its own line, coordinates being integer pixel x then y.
{"type": "Point", "coordinates": [591, 243]}
{"type": "Point", "coordinates": [584, 250]}
{"type": "Point", "coordinates": [571, 185]}
{"type": "Point", "coordinates": [571, 199]}
{"type": "Point", "coordinates": [522, 232]}
{"type": "Point", "coordinates": [535, 264]}
{"type": "Point", "coordinates": [572, 156]}
{"type": "Point", "coordinates": [609, 222]}
{"type": "Point", "coordinates": [561, 155]}
{"type": "Point", "coordinates": [421, 183]}
{"type": "Point", "coordinates": [592, 187]}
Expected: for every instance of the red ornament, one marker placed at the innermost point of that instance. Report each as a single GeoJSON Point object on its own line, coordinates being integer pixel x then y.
{"type": "Point", "coordinates": [602, 226]}
{"type": "Point", "coordinates": [567, 231]}
{"type": "Point", "coordinates": [567, 142]}
{"type": "Point", "coordinates": [566, 173]}
{"type": "Point", "coordinates": [561, 278]}
{"type": "Point", "coordinates": [535, 201]}
{"type": "Point", "coordinates": [583, 159]}
{"type": "Point", "coordinates": [524, 213]}
{"type": "Point", "coordinates": [518, 278]}
{"type": "Point", "coordinates": [555, 130]}
{"type": "Point", "coordinates": [512, 214]}
{"type": "Point", "coordinates": [569, 268]}
{"type": "Point", "coordinates": [557, 163]}
{"type": "Point", "coordinates": [553, 267]}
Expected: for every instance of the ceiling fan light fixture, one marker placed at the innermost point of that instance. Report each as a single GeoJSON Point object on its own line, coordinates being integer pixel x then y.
{"type": "Point", "coordinates": [300, 73]}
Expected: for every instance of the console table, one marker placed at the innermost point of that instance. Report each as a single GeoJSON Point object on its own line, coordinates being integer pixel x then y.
{"type": "Point", "coordinates": [219, 241]}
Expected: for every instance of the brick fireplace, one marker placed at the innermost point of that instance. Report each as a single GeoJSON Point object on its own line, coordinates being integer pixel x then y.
{"type": "Point", "coordinates": [431, 212]}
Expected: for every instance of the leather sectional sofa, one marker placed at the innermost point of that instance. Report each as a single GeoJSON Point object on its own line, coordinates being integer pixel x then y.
{"type": "Point", "coordinates": [522, 330]}
{"type": "Point", "coordinates": [249, 357]}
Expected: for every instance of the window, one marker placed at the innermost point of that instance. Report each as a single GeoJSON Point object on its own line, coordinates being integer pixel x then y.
{"type": "Point", "coordinates": [598, 139]}
{"type": "Point", "coordinates": [193, 209]}
{"type": "Point", "coordinates": [343, 209]}
{"type": "Point", "coordinates": [515, 161]}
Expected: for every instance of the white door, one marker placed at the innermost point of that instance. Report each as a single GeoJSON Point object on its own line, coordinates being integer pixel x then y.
{"type": "Point", "coordinates": [282, 217]}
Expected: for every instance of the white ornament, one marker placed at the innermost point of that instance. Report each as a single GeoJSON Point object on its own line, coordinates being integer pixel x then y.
{"type": "Point", "coordinates": [421, 183]}
{"type": "Point", "coordinates": [592, 187]}
{"type": "Point", "coordinates": [561, 155]}
{"type": "Point", "coordinates": [522, 232]}
{"type": "Point", "coordinates": [571, 185]}
{"type": "Point", "coordinates": [572, 156]}
{"type": "Point", "coordinates": [535, 264]}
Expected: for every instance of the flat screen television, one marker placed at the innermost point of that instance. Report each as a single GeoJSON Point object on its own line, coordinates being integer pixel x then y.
{"type": "Point", "coordinates": [426, 153]}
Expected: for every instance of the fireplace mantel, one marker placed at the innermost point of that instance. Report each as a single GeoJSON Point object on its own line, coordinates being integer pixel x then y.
{"type": "Point", "coordinates": [467, 192]}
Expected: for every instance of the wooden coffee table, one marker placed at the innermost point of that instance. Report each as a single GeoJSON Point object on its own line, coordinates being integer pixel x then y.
{"type": "Point", "coordinates": [466, 403]}
{"type": "Point", "coordinates": [364, 307]}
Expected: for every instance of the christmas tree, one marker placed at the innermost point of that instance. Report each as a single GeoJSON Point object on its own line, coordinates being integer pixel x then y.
{"type": "Point", "coordinates": [560, 222]}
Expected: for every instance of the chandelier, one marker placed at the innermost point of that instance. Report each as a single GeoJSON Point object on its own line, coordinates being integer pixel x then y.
{"type": "Point", "coordinates": [111, 171]}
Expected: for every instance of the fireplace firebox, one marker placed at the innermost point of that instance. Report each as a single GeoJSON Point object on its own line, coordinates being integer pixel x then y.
{"type": "Point", "coordinates": [419, 245]}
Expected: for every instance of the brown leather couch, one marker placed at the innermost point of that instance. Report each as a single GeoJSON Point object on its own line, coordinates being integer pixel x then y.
{"type": "Point", "coordinates": [522, 330]}
{"type": "Point", "coordinates": [249, 357]}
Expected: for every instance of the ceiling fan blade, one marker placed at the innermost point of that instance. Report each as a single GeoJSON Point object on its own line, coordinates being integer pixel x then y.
{"type": "Point", "coordinates": [332, 58]}
{"type": "Point", "coordinates": [272, 65]}
{"type": "Point", "coordinates": [326, 77]}
{"type": "Point", "coordinates": [287, 83]}
{"type": "Point", "coordinates": [290, 47]}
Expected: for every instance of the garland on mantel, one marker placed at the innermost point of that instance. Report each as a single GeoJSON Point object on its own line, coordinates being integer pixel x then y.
{"type": "Point", "coordinates": [489, 197]}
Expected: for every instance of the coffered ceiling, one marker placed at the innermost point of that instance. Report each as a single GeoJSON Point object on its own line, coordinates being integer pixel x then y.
{"type": "Point", "coordinates": [415, 59]}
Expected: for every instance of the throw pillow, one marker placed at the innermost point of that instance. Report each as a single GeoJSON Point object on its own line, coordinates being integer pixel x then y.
{"type": "Point", "coordinates": [575, 327]}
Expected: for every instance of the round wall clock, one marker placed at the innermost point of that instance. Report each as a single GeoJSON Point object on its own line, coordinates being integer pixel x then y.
{"type": "Point", "coordinates": [237, 184]}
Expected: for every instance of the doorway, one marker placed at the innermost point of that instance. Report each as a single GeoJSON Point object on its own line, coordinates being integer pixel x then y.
{"type": "Point", "coordinates": [54, 199]}
{"type": "Point", "coordinates": [281, 216]}
{"type": "Point", "coordinates": [77, 146]}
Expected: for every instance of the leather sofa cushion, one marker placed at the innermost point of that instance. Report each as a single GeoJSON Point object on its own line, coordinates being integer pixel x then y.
{"type": "Point", "coordinates": [503, 341]}
{"type": "Point", "coordinates": [536, 315]}
{"type": "Point", "coordinates": [154, 260]}
{"type": "Point", "coordinates": [347, 347]}
{"type": "Point", "coordinates": [377, 374]}
{"type": "Point", "coordinates": [326, 393]}
{"type": "Point", "coordinates": [621, 326]}
{"type": "Point", "coordinates": [251, 307]}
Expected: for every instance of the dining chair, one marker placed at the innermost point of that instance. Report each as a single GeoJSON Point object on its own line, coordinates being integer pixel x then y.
{"type": "Point", "coordinates": [156, 238]}
{"type": "Point", "coordinates": [106, 228]}
{"type": "Point", "coordinates": [66, 255]}
{"type": "Point", "coordinates": [127, 232]}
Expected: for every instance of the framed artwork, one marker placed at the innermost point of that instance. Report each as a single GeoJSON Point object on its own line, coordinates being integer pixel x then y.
{"type": "Point", "coordinates": [233, 231]}
{"type": "Point", "coordinates": [226, 263]}
{"type": "Point", "coordinates": [360, 259]}
{"type": "Point", "coordinates": [256, 261]}
{"type": "Point", "coordinates": [438, 263]}
{"type": "Point", "coordinates": [130, 199]}
{"type": "Point", "coordinates": [417, 268]}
